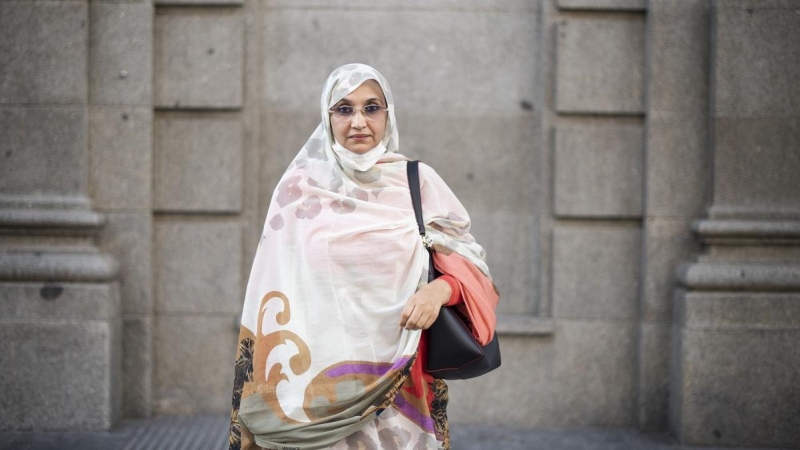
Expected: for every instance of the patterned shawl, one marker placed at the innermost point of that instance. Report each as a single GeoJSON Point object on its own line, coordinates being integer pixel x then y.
{"type": "Point", "coordinates": [321, 350]}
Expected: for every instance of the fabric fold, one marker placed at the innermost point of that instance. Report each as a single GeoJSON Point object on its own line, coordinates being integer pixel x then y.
{"type": "Point", "coordinates": [479, 294]}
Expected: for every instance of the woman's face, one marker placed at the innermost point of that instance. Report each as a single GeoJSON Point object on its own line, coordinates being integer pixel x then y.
{"type": "Point", "coordinates": [358, 134]}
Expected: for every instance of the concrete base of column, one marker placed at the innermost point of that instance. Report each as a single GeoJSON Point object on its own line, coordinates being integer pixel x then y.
{"type": "Point", "coordinates": [60, 350]}
{"type": "Point", "coordinates": [735, 369]}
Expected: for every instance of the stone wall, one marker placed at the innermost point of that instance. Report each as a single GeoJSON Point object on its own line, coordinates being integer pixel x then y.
{"type": "Point", "coordinates": [203, 187]}
{"type": "Point", "coordinates": [736, 357]}
{"type": "Point", "coordinates": [598, 145]}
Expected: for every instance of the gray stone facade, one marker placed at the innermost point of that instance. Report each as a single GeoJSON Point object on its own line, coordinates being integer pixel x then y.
{"type": "Point", "coordinates": [631, 167]}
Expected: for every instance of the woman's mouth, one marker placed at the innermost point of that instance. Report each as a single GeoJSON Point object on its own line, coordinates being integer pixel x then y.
{"type": "Point", "coordinates": [359, 137]}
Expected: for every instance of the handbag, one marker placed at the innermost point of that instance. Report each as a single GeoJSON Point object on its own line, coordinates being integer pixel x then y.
{"type": "Point", "coordinates": [453, 352]}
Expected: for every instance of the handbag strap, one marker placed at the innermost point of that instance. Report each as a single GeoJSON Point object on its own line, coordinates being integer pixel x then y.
{"type": "Point", "coordinates": [412, 170]}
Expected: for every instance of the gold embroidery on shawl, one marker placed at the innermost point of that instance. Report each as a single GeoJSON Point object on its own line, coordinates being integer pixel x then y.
{"type": "Point", "coordinates": [266, 384]}
{"type": "Point", "coordinates": [321, 396]}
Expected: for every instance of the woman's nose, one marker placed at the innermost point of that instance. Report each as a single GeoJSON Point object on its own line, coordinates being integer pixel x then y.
{"type": "Point", "coordinates": [358, 120]}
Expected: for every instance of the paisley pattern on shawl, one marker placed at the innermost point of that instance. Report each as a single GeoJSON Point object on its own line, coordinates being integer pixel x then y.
{"type": "Point", "coordinates": [338, 259]}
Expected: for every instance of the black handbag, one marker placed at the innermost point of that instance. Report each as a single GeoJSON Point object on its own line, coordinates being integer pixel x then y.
{"type": "Point", "coordinates": [453, 353]}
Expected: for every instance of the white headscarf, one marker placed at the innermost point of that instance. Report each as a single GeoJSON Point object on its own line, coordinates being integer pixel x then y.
{"type": "Point", "coordinates": [339, 257]}
{"type": "Point", "coordinates": [341, 83]}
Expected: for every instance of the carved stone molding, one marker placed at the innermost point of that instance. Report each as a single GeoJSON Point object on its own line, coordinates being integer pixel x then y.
{"type": "Point", "coordinates": [767, 277]}
{"type": "Point", "coordinates": [52, 239]}
{"type": "Point", "coordinates": [748, 232]}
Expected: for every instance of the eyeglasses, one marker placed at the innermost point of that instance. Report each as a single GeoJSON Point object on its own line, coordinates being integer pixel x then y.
{"type": "Point", "coordinates": [370, 112]}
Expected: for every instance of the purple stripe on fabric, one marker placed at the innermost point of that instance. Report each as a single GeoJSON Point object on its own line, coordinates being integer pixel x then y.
{"type": "Point", "coordinates": [345, 369]}
{"type": "Point", "coordinates": [370, 369]}
{"type": "Point", "coordinates": [409, 411]}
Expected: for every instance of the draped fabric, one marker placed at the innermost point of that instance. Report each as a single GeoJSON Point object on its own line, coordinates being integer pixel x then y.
{"type": "Point", "coordinates": [321, 353]}
{"type": "Point", "coordinates": [479, 295]}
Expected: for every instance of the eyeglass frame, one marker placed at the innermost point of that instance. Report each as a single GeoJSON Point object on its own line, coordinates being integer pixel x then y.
{"type": "Point", "coordinates": [384, 109]}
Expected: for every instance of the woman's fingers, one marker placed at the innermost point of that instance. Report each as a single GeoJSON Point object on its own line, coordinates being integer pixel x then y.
{"type": "Point", "coordinates": [413, 321]}
{"type": "Point", "coordinates": [415, 317]}
{"type": "Point", "coordinates": [418, 314]}
{"type": "Point", "coordinates": [410, 317]}
{"type": "Point", "coordinates": [422, 308]}
{"type": "Point", "coordinates": [406, 313]}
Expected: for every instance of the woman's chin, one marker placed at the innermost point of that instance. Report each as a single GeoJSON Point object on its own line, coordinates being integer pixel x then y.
{"type": "Point", "coordinates": [359, 147]}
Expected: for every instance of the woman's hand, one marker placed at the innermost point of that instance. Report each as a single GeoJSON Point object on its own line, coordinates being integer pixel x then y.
{"type": "Point", "coordinates": [423, 307]}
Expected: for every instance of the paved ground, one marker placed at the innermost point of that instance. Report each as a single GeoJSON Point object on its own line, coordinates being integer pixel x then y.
{"type": "Point", "coordinates": [210, 433]}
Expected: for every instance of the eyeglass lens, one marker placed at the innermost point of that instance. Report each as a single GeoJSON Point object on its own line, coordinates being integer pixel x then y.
{"type": "Point", "coordinates": [370, 112]}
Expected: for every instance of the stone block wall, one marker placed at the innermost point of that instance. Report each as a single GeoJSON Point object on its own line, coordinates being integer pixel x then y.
{"type": "Point", "coordinates": [200, 186]}
{"type": "Point", "coordinates": [589, 207]}
{"type": "Point", "coordinates": [598, 146]}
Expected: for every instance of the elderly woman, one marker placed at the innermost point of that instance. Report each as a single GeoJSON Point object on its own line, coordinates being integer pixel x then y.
{"type": "Point", "coordinates": [331, 351]}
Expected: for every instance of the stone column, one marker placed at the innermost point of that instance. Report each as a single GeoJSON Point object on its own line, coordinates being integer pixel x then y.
{"type": "Point", "coordinates": [736, 329]}
{"type": "Point", "coordinates": [676, 189]}
{"type": "Point", "coordinates": [59, 301]}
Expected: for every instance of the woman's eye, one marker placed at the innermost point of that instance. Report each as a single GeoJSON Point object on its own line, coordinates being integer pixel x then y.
{"type": "Point", "coordinates": [371, 109]}
{"type": "Point", "coordinates": [345, 110]}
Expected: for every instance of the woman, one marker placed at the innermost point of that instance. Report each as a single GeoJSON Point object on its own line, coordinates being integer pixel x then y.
{"type": "Point", "coordinates": [330, 352]}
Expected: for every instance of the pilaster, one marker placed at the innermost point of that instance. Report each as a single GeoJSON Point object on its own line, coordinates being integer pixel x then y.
{"type": "Point", "coordinates": [60, 318]}
{"type": "Point", "coordinates": [736, 320]}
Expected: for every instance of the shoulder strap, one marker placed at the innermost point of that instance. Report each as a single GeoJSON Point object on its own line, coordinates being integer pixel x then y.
{"type": "Point", "coordinates": [412, 169]}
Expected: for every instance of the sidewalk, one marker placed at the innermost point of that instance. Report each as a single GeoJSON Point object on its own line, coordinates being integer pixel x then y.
{"type": "Point", "coordinates": [211, 433]}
